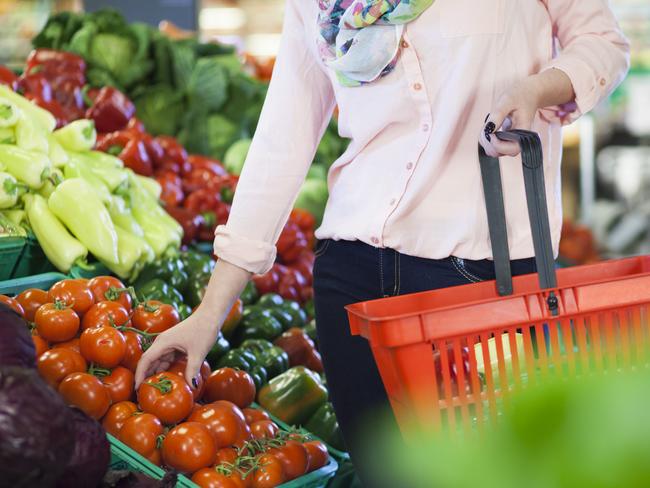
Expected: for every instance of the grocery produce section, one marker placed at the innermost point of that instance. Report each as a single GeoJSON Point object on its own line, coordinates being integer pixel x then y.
{"type": "Point", "coordinates": [110, 192]}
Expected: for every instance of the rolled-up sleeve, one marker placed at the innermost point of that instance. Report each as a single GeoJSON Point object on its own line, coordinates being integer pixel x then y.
{"type": "Point", "coordinates": [594, 54]}
{"type": "Point", "coordinates": [296, 112]}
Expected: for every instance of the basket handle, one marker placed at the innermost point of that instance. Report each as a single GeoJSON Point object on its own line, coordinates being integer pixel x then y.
{"type": "Point", "coordinates": [533, 168]}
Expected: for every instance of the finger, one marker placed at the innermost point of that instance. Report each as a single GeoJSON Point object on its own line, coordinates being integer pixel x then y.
{"type": "Point", "coordinates": [486, 143]}
{"type": "Point", "coordinates": [192, 369]}
{"type": "Point", "coordinates": [149, 360]}
{"type": "Point", "coordinates": [505, 148]}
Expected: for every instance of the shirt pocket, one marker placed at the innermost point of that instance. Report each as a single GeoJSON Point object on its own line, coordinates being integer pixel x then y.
{"type": "Point", "coordinates": [460, 18]}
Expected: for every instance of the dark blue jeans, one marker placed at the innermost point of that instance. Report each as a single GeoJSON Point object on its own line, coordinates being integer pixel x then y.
{"type": "Point", "coordinates": [347, 272]}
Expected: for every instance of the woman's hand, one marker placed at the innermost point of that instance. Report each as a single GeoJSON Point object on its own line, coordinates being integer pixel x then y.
{"type": "Point", "coordinates": [195, 336]}
{"type": "Point", "coordinates": [517, 108]}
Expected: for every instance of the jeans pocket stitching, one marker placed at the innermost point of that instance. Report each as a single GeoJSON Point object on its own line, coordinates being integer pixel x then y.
{"type": "Point", "coordinates": [322, 249]}
{"type": "Point", "coordinates": [463, 272]}
{"type": "Point", "coordinates": [381, 272]}
{"type": "Point", "coordinates": [469, 273]}
{"type": "Point", "coordinates": [397, 274]}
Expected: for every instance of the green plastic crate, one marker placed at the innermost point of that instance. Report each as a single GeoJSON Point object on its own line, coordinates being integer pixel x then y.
{"type": "Point", "coordinates": [204, 247]}
{"type": "Point", "coordinates": [92, 270]}
{"type": "Point", "coordinates": [123, 457]}
{"type": "Point", "coordinates": [11, 249]}
{"type": "Point", "coordinates": [43, 282]}
{"type": "Point", "coordinates": [32, 260]}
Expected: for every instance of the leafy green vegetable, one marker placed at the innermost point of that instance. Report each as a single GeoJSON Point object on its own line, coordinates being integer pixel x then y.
{"type": "Point", "coordinates": [235, 157]}
{"type": "Point", "coordinates": [160, 109]}
{"type": "Point", "coordinates": [313, 198]}
{"type": "Point", "coordinates": [221, 134]}
{"type": "Point", "coordinates": [183, 61]}
{"type": "Point", "coordinates": [208, 84]}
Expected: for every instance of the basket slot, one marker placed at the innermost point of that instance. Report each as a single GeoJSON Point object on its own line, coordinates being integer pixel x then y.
{"type": "Point", "coordinates": [570, 341]}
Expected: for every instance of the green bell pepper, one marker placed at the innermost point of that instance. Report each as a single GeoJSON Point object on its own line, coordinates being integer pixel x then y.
{"type": "Point", "coordinates": [195, 290]}
{"type": "Point", "coordinates": [219, 349]}
{"type": "Point", "coordinates": [184, 310]}
{"type": "Point", "coordinates": [274, 359]}
{"type": "Point", "coordinates": [197, 264]}
{"type": "Point", "coordinates": [259, 375]}
{"type": "Point", "coordinates": [298, 315]}
{"type": "Point", "coordinates": [158, 289]}
{"type": "Point", "coordinates": [170, 270]}
{"type": "Point", "coordinates": [270, 300]}
{"type": "Point", "coordinates": [282, 316]}
{"type": "Point", "coordinates": [30, 167]}
{"type": "Point", "coordinates": [259, 325]}
{"type": "Point", "coordinates": [79, 135]}
{"type": "Point", "coordinates": [249, 296]}
{"type": "Point", "coordinates": [238, 358]}
{"type": "Point", "coordinates": [256, 346]}
{"type": "Point", "coordinates": [59, 246]}
{"type": "Point", "coordinates": [76, 205]}
{"type": "Point", "coordinates": [294, 396]}
{"type": "Point", "coordinates": [309, 309]}
{"type": "Point", "coordinates": [310, 330]}
{"type": "Point", "coordinates": [324, 425]}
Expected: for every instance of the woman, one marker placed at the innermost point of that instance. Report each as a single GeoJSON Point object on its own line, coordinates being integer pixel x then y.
{"type": "Point", "coordinates": [413, 81]}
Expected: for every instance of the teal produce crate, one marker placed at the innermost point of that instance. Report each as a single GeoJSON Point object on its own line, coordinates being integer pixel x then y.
{"type": "Point", "coordinates": [123, 457]}
{"type": "Point", "coordinates": [43, 282]}
{"type": "Point", "coordinates": [90, 271]}
{"type": "Point", "coordinates": [32, 260]}
{"type": "Point", "coordinates": [11, 249]}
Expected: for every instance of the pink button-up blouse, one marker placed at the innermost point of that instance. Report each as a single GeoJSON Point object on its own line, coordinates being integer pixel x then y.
{"type": "Point", "coordinates": [410, 178]}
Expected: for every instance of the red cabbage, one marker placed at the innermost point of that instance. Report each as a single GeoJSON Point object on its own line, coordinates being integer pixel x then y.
{"type": "Point", "coordinates": [91, 454]}
{"type": "Point", "coordinates": [16, 345]}
{"type": "Point", "coordinates": [36, 440]}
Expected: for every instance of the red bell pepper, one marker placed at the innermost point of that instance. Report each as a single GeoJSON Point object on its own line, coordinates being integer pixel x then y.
{"type": "Point", "coordinates": [135, 156]}
{"type": "Point", "coordinates": [35, 85]}
{"type": "Point", "coordinates": [71, 99]}
{"type": "Point", "coordinates": [291, 284]}
{"type": "Point", "coordinates": [203, 178]}
{"type": "Point", "coordinates": [268, 282]}
{"type": "Point", "coordinates": [300, 349]}
{"type": "Point", "coordinates": [303, 219]}
{"type": "Point", "coordinates": [51, 106]}
{"type": "Point", "coordinates": [111, 110]}
{"type": "Point", "coordinates": [197, 161]}
{"type": "Point", "coordinates": [172, 192]}
{"type": "Point", "coordinates": [70, 61]}
{"type": "Point", "coordinates": [172, 150]}
{"type": "Point", "coordinates": [305, 265]}
{"type": "Point", "coordinates": [292, 243]}
{"type": "Point", "coordinates": [136, 125]}
{"type": "Point", "coordinates": [454, 373]}
{"type": "Point", "coordinates": [8, 77]}
{"type": "Point", "coordinates": [190, 221]}
{"type": "Point", "coordinates": [202, 200]}
{"type": "Point", "coordinates": [113, 142]}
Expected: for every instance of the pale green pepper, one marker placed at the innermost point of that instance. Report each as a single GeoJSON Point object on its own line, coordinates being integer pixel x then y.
{"type": "Point", "coordinates": [16, 215]}
{"type": "Point", "coordinates": [160, 230]}
{"type": "Point", "coordinates": [31, 136]}
{"type": "Point", "coordinates": [9, 113]}
{"type": "Point", "coordinates": [152, 186]}
{"type": "Point", "coordinates": [134, 253]}
{"type": "Point", "coordinates": [104, 159]}
{"type": "Point", "coordinates": [114, 178]}
{"type": "Point", "coordinates": [75, 203]}
{"type": "Point", "coordinates": [122, 216]}
{"type": "Point", "coordinates": [29, 109]}
{"type": "Point", "coordinates": [79, 135]}
{"type": "Point", "coordinates": [7, 135]}
{"type": "Point", "coordinates": [30, 167]}
{"type": "Point", "coordinates": [8, 190]}
{"type": "Point", "coordinates": [52, 181]}
{"type": "Point", "coordinates": [9, 229]}
{"type": "Point", "coordinates": [75, 168]}
{"type": "Point", "coordinates": [58, 155]}
{"type": "Point", "coordinates": [61, 248]}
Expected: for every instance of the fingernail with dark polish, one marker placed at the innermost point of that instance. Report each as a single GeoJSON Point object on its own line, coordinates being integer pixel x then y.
{"type": "Point", "coordinates": [486, 118]}
{"type": "Point", "coordinates": [487, 136]}
{"type": "Point", "coordinates": [195, 383]}
{"type": "Point", "coordinates": [489, 127]}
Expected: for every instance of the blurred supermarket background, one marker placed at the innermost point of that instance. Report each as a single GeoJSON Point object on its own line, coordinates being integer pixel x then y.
{"type": "Point", "coordinates": [606, 162]}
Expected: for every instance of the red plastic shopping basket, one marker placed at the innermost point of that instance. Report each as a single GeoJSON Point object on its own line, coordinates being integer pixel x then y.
{"type": "Point", "coordinates": [452, 357]}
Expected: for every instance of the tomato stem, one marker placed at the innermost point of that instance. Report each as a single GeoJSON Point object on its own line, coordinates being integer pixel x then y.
{"type": "Point", "coordinates": [99, 372]}
{"type": "Point", "coordinates": [124, 328]}
{"type": "Point", "coordinates": [61, 305]}
{"type": "Point", "coordinates": [150, 308]}
{"type": "Point", "coordinates": [159, 441]}
{"type": "Point", "coordinates": [164, 385]}
{"type": "Point", "coordinates": [114, 293]}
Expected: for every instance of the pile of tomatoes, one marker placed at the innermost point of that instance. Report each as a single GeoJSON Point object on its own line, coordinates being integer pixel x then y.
{"type": "Point", "coordinates": [89, 336]}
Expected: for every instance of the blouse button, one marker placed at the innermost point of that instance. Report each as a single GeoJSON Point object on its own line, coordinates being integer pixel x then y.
{"type": "Point", "coordinates": [375, 240]}
{"type": "Point", "coordinates": [392, 202]}
{"type": "Point", "coordinates": [417, 86]}
{"type": "Point", "coordinates": [405, 44]}
{"type": "Point", "coordinates": [409, 166]}
{"type": "Point", "coordinates": [603, 82]}
{"type": "Point", "coordinates": [425, 127]}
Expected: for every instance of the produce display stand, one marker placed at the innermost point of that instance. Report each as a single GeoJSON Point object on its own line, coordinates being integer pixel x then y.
{"type": "Point", "coordinates": [451, 358]}
{"type": "Point", "coordinates": [43, 281]}
{"type": "Point", "coordinates": [32, 260]}
{"type": "Point", "coordinates": [11, 249]}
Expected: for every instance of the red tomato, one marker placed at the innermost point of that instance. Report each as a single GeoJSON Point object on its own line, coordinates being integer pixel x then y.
{"type": "Point", "coordinates": [110, 288]}
{"type": "Point", "coordinates": [270, 472]}
{"type": "Point", "coordinates": [189, 447]}
{"type": "Point", "coordinates": [244, 437]}
{"type": "Point", "coordinates": [31, 300]}
{"type": "Point", "coordinates": [140, 432]}
{"type": "Point", "coordinates": [54, 365]}
{"type": "Point", "coordinates": [40, 344]}
{"type": "Point", "coordinates": [211, 478]}
{"type": "Point", "coordinates": [154, 316]}
{"type": "Point", "coordinates": [106, 314]}
{"type": "Point", "coordinates": [104, 346]}
{"type": "Point", "coordinates": [254, 415]}
{"type": "Point", "coordinates": [74, 293]}
{"type": "Point", "coordinates": [293, 457]}
{"type": "Point", "coordinates": [71, 344]}
{"type": "Point", "coordinates": [86, 392]}
{"type": "Point", "coordinates": [13, 303]}
{"type": "Point", "coordinates": [227, 455]}
{"type": "Point", "coordinates": [264, 429]}
{"type": "Point", "coordinates": [317, 455]}
{"type": "Point", "coordinates": [230, 384]}
{"type": "Point", "coordinates": [120, 384]}
{"type": "Point", "coordinates": [117, 414]}
{"type": "Point", "coordinates": [224, 420]}
{"type": "Point", "coordinates": [133, 350]}
{"type": "Point", "coordinates": [56, 323]}
{"type": "Point", "coordinates": [179, 366]}
{"type": "Point", "coordinates": [167, 396]}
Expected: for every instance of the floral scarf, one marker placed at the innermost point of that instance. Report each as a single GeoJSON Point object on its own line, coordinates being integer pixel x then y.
{"type": "Point", "coordinates": [360, 39]}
